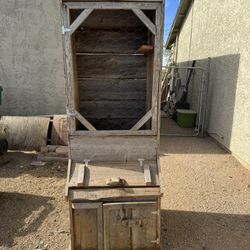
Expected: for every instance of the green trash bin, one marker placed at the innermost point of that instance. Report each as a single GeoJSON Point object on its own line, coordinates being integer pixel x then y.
{"type": "Point", "coordinates": [186, 118]}
{"type": "Point", "coordinates": [1, 90]}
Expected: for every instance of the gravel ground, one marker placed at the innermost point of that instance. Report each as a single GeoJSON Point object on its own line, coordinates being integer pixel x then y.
{"type": "Point", "coordinates": [206, 201]}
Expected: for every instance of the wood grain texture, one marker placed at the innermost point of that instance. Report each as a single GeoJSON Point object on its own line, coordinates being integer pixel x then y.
{"type": "Point", "coordinates": [114, 194]}
{"type": "Point", "coordinates": [112, 85]}
{"type": "Point", "coordinates": [97, 174]}
{"type": "Point", "coordinates": [143, 120]}
{"type": "Point", "coordinates": [118, 148]}
{"type": "Point", "coordinates": [118, 124]}
{"type": "Point", "coordinates": [86, 236]}
{"type": "Point", "coordinates": [147, 22]}
{"type": "Point", "coordinates": [113, 109]}
{"type": "Point", "coordinates": [119, 67]}
{"type": "Point", "coordinates": [110, 19]}
{"type": "Point", "coordinates": [130, 225]}
{"type": "Point", "coordinates": [109, 41]}
{"type": "Point", "coordinates": [84, 121]}
{"type": "Point", "coordinates": [79, 20]}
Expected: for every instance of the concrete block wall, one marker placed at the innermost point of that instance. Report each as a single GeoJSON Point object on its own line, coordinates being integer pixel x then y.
{"type": "Point", "coordinates": [220, 30]}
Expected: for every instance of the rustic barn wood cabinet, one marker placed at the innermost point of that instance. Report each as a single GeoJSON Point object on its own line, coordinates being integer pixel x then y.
{"type": "Point", "coordinates": [112, 55]}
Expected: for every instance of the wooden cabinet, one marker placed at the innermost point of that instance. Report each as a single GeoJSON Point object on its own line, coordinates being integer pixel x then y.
{"type": "Point", "coordinates": [112, 57]}
{"type": "Point", "coordinates": [116, 226]}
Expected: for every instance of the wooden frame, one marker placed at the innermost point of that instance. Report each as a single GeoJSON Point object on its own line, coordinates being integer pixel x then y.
{"type": "Point", "coordinates": [82, 206]}
{"type": "Point", "coordinates": [156, 29]}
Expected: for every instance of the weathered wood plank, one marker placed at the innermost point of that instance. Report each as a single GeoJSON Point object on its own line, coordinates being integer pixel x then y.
{"type": "Point", "coordinates": [85, 228]}
{"type": "Point", "coordinates": [139, 13]}
{"type": "Point", "coordinates": [143, 120]}
{"type": "Point", "coordinates": [84, 121]}
{"type": "Point", "coordinates": [112, 5]}
{"type": "Point", "coordinates": [147, 175]}
{"type": "Point", "coordinates": [111, 96]}
{"type": "Point", "coordinates": [111, 66]}
{"type": "Point", "coordinates": [114, 194]}
{"type": "Point", "coordinates": [118, 148]}
{"type": "Point", "coordinates": [112, 85]}
{"type": "Point", "coordinates": [69, 70]}
{"type": "Point", "coordinates": [113, 109]}
{"type": "Point", "coordinates": [97, 174]}
{"type": "Point", "coordinates": [80, 174]}
{"type": "Point", "coordinates": [115, 132]}
{"type": "Point", "coordinates": [112, 89]}
{"type": "Point", "coordinates": [79, 20]}
{"type": "Point", "coordinates": [112, 20]}
{"type": "Point", "coordinates": [109, 124]}
{"type": "Point", "coordinates": [108, 41]}
{"type": "Point", "coordinates": [76, 1]}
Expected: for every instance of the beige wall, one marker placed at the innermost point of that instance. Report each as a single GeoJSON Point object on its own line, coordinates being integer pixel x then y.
{"type": "Point", "coordinates": [221, 30]}
{"type": "Point", "coordinates": [31, 58]}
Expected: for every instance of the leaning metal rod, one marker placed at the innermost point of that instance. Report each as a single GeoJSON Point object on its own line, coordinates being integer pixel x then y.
{"type": "Point", "coordinates": [200, 125]}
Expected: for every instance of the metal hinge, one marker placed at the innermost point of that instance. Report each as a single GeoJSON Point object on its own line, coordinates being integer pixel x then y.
{"type": "Point", "coordinates": [156, 212]}
{"type": "Point", "coordinates": [64, 30]}
{"type": "Point", "coordinates": [157, 241]}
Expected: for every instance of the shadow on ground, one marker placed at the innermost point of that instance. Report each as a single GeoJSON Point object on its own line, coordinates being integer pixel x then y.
{"type": "Point", "coordinates": [20, 163]}
{"type": "Point", "coordinates": [21, 214]}
{"type": "Point", "coordinates": [196, 230]}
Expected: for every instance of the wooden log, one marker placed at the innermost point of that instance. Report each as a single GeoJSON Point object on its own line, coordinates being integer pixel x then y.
{"type": "Point", "coordinates": [24, 133]}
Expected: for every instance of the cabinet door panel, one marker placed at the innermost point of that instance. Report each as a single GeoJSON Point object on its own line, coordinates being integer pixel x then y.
{"type": "Point", "coordinates": [130, 226]}
{"type": "Point", "coordinates": [87, 226]}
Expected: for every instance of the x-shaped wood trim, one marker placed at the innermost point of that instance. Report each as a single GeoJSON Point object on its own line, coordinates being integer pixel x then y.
{"type": "Point", "coordinates": [143, 120]}
{"type": "Point", "coordinates": [138, 12]}
{"type": "Point", "coordinates": [84, 121]}
{"type": "Point", "coordinates": [79, 20]}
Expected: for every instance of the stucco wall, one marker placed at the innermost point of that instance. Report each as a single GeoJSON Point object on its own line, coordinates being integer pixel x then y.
{"type": "Point", "coordinates": [220, 30]}
{"type": "Point", "coordinates": [31, 58]}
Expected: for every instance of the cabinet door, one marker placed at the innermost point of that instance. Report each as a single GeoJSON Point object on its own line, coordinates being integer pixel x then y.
{"type": "Point", "coordinates": [87, 226]}
{"type": "Point", "coordinates": [131, 226]}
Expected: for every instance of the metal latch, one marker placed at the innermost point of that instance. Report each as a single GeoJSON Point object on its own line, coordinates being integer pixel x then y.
{"type": "Point", "coordinates": [64, 30]}
{"type": "Point", "coordinates": [156, 212]}
{"type": "Point", "coordinates": [132, 222]}
{"type": "Point", "coordinates": [157, 241]}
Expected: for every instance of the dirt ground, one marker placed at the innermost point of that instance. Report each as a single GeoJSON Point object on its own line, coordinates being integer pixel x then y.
{"type": "Point", "coordinates": [206, 203]}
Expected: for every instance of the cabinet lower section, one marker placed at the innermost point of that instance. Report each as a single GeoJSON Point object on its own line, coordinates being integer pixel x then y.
{"type": "Point", "coordinates": [115, 225]}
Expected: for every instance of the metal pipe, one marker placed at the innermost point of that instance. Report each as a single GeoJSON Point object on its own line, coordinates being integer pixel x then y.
{"type": "Point", "coordinates": [201, 120]}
